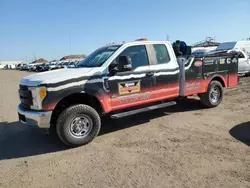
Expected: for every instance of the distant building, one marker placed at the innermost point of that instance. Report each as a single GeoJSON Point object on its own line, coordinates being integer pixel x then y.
{"type": "Point", "coordinates": [10, 62]}
{"type": "Point", "coordinates": [41, 60]}
{"type": "Point", "coordinates": [73, 57]}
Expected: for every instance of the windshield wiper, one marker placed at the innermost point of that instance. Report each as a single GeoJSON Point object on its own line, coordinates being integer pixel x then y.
{"type": "Point", "coordinates": [85, 66]}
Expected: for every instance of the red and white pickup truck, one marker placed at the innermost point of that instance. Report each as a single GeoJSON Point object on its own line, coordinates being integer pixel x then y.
{"type": "Point", "coordinates": [121, 80]}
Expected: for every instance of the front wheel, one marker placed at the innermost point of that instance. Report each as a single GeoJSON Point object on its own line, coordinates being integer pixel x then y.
{"type": "Point", "coordinates": [213, 96]}
{"type": "Point", "coordinates": [78, 125]}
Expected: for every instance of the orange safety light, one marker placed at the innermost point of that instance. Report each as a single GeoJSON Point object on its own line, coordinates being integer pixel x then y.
{"type": "Point", "coordinates": [141, 39]}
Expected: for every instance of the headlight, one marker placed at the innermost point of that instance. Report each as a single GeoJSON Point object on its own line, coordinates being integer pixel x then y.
{"type": "Point", "coordinates": [38, 94]}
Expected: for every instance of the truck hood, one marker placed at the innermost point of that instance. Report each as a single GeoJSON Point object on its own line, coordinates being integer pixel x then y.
{"type": "Point", "coordinates": [60, 75]}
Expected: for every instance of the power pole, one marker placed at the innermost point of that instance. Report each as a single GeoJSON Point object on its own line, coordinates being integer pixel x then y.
{"type": "Point", "coordinates": [70, 47]}
{"type": "Point", "coordinates": [167, 37]}
{"type": "Point", "coordinates": [34, 56]}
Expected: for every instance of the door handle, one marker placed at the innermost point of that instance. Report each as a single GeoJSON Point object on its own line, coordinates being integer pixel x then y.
{"type": "Point", "coordinates": [149, 74]}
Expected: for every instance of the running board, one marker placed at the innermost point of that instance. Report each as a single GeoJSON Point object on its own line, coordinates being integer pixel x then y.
{"type": "Point", "coordinates": [137, 111]}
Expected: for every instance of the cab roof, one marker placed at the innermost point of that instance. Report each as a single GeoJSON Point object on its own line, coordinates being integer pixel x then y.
{"type": "Point", "coordinates": [139, 42]}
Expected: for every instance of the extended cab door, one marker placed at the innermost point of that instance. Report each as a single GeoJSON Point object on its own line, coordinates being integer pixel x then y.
{"type": "Point", "coordinates": [132, 88]}
{"type": "Point", "coordinates": [166, 71]}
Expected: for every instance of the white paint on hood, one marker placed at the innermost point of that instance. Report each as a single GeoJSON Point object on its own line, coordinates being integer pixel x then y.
{"type": "Point", "coordinates": [60, 75]}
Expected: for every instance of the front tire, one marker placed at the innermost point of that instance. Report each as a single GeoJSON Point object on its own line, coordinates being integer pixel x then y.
{"type": "Point", "coordinates": [78, 125]}
{"type": "Point", "coordinates": [213, 96]}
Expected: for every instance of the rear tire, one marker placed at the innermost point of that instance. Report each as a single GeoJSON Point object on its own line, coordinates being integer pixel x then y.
{"type": "Point", "coordinates": [213, 96]}
{"type": "Point", "coordinates": [78, 125]}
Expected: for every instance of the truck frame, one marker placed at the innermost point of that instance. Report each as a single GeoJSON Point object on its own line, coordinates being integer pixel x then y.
{"type": "Point", "coordinates": [118, 81]}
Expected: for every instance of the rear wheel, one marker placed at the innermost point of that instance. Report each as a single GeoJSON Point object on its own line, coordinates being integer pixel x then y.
{"type": "Point", "coordinates": [213, 96]}
{"type": "Point", "coordinates": [78, 125]}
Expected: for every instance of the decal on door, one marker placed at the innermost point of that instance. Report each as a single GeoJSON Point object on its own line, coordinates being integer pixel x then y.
{"type": "Point", "coordinates": [129, 87]}
{"type": "Point", "coordinates": [193, 86]}
{"type": "Point", "coordinates": [134, 98]}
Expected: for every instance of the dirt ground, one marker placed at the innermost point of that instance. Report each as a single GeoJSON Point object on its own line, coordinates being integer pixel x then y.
{"type": "Point", "coordinates": [179, 146]}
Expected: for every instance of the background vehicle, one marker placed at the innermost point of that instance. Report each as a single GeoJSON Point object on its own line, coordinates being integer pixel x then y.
{"type": "Point", "coordinates": [243, 48]}
{"type": "Point", "coordinates": [34, 67]}
{"type": "Point", "coordinates": [24, 67]}
{"type": "Point", "coordinates": [42, 67]}
{"type": "Point", "coordinates": [122, 80]}
{"type": "Point", "coordinates": [242, 45]}
{"type": "Point", "coordinates": [65, 64]}
{"type": "Point", "coordinates": [52, 65]}
{"type": "Point", "coordinates": [59, 65]}
{"type": "Point", "coordinates": [243, 62]}
{"type": "Point", "coordinates": [72, 64]}
{"type": "Point", "coordinates": [18, 66]}
{"type": "Point", "coordinates": [30, 66]}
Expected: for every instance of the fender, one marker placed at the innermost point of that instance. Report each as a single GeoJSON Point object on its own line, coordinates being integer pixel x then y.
{"type": "Point", "coordinates": [96, 90]}
{"type": "Point", "coordinates": [223, 79]}
{"type": "Point", "coordinates": [53, 98]}
{"type": "Point", "coordinates": [102, 95]}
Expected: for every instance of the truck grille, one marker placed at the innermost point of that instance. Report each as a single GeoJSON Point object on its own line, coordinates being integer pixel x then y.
{"type": "Point", "coordinates": [25, 97]}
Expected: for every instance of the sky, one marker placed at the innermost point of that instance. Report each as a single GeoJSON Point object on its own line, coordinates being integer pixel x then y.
{"type": "Point", "coordinates": [51, 29]}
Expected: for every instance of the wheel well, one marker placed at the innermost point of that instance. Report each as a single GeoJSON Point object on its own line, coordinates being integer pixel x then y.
{"type": "Point", "coordinates": [77, 98]}
{"type": "Point", "coordinates": [219, 79]}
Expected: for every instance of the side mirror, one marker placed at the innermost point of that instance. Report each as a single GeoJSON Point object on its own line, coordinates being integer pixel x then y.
{"type": "Point", "coordinates": [113, 68]}
{"type": "Point", "coordinates": [124, 63]}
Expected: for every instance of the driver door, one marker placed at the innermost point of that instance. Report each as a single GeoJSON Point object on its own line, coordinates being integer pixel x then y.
{"type": "Point", "coordinates": [132, 88]}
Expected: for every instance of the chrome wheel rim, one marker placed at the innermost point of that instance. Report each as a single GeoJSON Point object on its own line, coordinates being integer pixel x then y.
{"type": "Point", "coordinates": [81, 126]}
{"type": "Point", "coordinates": [215, 94]}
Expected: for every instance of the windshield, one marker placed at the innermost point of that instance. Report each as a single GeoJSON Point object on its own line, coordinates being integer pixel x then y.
{"type": "Point", "coordinates": [98, 57]}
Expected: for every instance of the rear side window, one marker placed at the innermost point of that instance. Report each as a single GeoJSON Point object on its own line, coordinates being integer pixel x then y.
{"type": "Point", "coordinates": [138, 55]}
{"type": "Point", "coordinates": [162, 54]}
